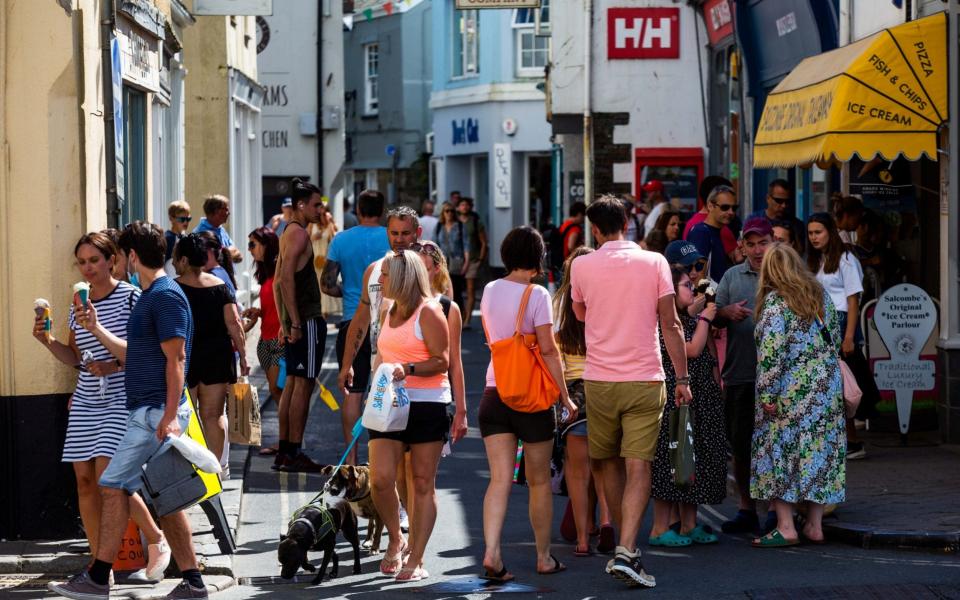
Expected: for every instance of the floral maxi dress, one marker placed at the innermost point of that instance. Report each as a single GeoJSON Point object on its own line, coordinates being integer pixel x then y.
{"type": "Point", "coordinates": [798, 453]}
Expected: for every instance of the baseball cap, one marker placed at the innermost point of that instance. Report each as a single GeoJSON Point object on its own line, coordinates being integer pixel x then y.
{"type": "Point", "coordinates": [654, 185]}
{"type": "Point", "coordinates": [757, 225]}
{"type": "Point", "coordinates": [288, 201]}
{"type": "Point", "coordinates": [682, 252]}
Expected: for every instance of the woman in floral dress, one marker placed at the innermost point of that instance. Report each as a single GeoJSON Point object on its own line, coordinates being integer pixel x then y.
{"type": "Point", "coordinates": [799, 441]}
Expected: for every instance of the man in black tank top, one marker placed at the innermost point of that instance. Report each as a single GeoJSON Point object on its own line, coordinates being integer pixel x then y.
{"type": "Point", "coordinates": [304, 329]}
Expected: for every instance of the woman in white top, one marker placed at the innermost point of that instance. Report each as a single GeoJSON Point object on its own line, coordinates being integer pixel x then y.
{"type": "Point", "coordinates": [839, 272]}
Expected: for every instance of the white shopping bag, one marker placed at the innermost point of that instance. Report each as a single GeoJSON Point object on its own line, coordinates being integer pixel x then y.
{"type": "Point", "coordinates": [204, 460]}
{"type": "Point", "coordinates": [387, 407]}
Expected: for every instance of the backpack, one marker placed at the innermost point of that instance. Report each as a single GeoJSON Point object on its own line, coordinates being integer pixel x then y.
{"type": "Point", "coordinates": [557, 244]}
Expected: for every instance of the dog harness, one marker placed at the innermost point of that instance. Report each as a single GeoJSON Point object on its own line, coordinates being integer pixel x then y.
{"type": "Point", "coordinates": [326, 522]}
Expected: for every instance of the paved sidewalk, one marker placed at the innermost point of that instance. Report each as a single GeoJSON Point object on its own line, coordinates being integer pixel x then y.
{"type": "Point", "coordinates": [901, 496]}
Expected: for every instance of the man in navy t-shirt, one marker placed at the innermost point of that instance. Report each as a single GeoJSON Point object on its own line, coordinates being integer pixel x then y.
{"type": "Point", "coordinates": [706, 236]}
{"type": "Point", "coordinates": [154, 356]}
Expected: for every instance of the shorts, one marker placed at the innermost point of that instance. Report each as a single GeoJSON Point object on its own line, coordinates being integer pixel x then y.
{"type": "Point", "coordinates": [740, 405]}
{"type": "Point", "coordinates": [211, 366]}
{"type": "Point", "coordinates": [269, 353]}
{"type": "Point", "coordinates": [496, 417]}
{"type": "Point", "coordinates": [473, 270]}
{"type": "Point", "coordinates": [623, 418]}
{"type": "Point", "coordinates": [361, 362]}
{"type": "Point", "coordinates": [305, 357]}
{"type": "Point", "coordinates": [428, 422]}
{"type": "Point", "coordinates": [138, 444]}
{"type": "Point", "coordinates": [578, 430]}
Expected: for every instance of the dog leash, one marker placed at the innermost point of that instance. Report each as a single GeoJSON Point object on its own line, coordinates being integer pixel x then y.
{"type": "Point", "coordinates": [355, 434]}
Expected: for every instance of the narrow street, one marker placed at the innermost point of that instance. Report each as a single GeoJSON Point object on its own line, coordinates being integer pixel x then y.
{"type": "Point", "coordinates": [731, 569]}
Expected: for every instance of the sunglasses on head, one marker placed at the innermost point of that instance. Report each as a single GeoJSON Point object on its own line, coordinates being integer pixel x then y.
{"type": "Point", "coordinates": [697, 266]}
{"type": "Point", "coordinates": [184, 219]}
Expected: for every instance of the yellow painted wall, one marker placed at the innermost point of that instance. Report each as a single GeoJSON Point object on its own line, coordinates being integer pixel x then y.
{"type": "Point", "coordinates": [206, 93]}
{"type": "Point", "coordinates": [42, 191]}
{"type": "Point", "coordinates": [242, 45]}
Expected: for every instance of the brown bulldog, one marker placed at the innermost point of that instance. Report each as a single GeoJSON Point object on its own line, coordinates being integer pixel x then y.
{"type": "Point", "coordinates": [352, 483]}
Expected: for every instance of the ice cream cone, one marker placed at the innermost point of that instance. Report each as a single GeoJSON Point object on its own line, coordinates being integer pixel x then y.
{"type": "Point", "coordinates": [82, 290]}
{"type": "Point", "coordinates": [42, 309]}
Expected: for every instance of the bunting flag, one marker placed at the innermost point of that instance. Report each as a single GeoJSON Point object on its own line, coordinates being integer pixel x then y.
{"type": "Point", "coordinates": [348, 21]}
{"type": "Point", "coordinates": [368, 14]}
{"type": "Point", "coordinates": [388, 8]}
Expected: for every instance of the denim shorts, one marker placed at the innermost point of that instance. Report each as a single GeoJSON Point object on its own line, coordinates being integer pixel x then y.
{"type": "Point", "coordinates": [138, 444]}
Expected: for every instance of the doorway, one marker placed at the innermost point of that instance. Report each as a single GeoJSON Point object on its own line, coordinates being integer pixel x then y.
{"type": "Point", "coordinates": [539, 173]}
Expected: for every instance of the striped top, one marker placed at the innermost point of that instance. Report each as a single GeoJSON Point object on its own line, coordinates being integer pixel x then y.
{"type": "Point", "coordinates": [113, 312]}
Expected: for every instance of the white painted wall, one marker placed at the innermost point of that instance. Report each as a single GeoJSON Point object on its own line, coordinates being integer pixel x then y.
{"type": "Point", "coordinates": [870, 16]}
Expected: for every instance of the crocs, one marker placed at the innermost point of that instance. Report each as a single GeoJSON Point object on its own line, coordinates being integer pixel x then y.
{"type": "Point", "coordinates": [702, 534]}
{"type": "Point", "coordinates": [670, 539]}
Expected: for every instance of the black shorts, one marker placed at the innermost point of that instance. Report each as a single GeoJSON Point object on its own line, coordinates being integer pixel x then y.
{"type": "Point", "coordinates": [305, 357]}
{"type": "Point", "coordinates": [740, 409]}
{"type": "Point", "coordinates": [211, 366]}
{"type": "Point", "coordinates": [361, 362]}
{"type": "Point", "coordinates": [428, 422]}
{"type": "Point", "coordinates": [496, 417]}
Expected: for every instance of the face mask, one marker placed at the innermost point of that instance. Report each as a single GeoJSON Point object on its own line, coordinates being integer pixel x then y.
{"type": "Point", "coordinates": [132, 274]}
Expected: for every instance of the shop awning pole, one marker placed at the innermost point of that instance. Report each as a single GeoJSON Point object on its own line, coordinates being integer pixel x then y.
{"type": "Point", "coordinates": [587, 117]}
{"type": "Point", "coordinates": [950, 213]}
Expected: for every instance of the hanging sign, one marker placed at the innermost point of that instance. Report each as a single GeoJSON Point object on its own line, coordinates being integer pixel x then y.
{"type": "Point", "coordinates": [905, 317]}
{"type": "Point", "coordinates": [469, 4]}
{"type": "Point", "coordinates": [502, 184]}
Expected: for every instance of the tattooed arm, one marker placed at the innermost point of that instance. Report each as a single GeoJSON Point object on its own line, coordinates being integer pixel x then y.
{"type": "Point", "coordinates": [328, 279]}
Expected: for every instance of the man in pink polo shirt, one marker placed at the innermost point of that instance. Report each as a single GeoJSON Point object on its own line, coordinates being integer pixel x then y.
{"type": "Point", "coordinates": [621, 293]}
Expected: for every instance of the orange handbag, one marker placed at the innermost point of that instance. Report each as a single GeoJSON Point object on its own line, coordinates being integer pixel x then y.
{"type": "Point", "coordinates": [523, 381]}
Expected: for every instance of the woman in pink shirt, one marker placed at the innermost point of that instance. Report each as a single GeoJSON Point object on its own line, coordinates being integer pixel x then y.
{"type": "Point", "coordinates": [522, 252]}
{"type": "Point", "coordinates": [415, 339]}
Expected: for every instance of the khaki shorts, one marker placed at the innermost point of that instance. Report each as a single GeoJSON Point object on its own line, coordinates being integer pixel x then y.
{"type": "Point", "coordinates": [623, 418]}
{"type": "Point", "coordinates": [473, 270]}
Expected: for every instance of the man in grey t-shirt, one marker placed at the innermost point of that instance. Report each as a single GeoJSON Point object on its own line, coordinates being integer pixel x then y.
{"type": "Point", "coordinates": [736, 299]}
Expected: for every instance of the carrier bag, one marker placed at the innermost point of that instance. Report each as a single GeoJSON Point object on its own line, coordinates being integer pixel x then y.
{"type": "Point", "coordinates": [388, 406]}
{"type": "Point", "coordinates": [243, 413]}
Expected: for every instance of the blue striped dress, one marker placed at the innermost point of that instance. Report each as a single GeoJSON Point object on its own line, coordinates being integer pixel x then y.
{"type": "Point", "coordinates": [98, 414]}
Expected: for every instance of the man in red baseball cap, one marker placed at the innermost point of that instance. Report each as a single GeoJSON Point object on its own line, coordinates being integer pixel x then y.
{"type": "Point", "coordinates": [653, 188]}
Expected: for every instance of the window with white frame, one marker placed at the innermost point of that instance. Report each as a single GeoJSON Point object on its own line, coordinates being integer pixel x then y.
{"type": "Point", "coordinates": [466, 43]}
{"type": "Point", "coordinates": [371, 86]}
{"type": "Point", "coordinates": [532, 42]}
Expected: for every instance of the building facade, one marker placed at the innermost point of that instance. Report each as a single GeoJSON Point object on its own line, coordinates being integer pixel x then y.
{"type": "Point", "coordinates": [491, 139]}
{"type": "Point", "coordinates": [388, 73]}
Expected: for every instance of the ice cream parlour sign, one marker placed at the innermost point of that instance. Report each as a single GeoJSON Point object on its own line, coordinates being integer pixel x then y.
{"type": "Point", "coordinates": [905, 317]}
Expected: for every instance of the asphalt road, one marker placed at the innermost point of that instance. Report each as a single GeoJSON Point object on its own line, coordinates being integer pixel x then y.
{"type": "Point", "coordinates": [730, 569]}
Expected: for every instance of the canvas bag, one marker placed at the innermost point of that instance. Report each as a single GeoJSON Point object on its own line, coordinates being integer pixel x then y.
{"type": "Point", "coordinates": [680, 447]}
{"type": "Point", "coordinates": [387, 407]}
{"type": "Point", "coordinates": [243, 413]}
{"type": "Point", "coordinates": [523, 381]}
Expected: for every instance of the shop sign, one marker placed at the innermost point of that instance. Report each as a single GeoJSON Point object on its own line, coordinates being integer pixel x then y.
{"type": "Point", "coordinates": [232, 7]}
{"type": "Point", "coordinates": [577, 186]}
{"type": "Point", "coordinates": [905, 317]}
{"type": "Point", "coordinates": [643, 33]}
{"type": "Point", "coordinates": [883, 186]}
{"type": "Point", "coordinates": [470, 4]}
{"type": "Point", "coordinates": [502, 168]}
{"type": "Point", "coordinates": [140, 56]}
{"type": "Point", "coordinates": [719, 18]}
{"type": "Point", "coordinates": [116, 76]}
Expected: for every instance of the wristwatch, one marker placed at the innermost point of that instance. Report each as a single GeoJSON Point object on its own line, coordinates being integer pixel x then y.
{"type": "Point", "coordinates": [685, 380]}
{"type": "Point", "coordinates": [411, 368]}
{"type": "Point", "coordinates": [295, 327]}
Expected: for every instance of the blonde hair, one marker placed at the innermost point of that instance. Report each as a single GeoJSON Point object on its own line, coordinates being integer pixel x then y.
{"type": "Point", "coordinates": [784, 272]}
{"type": "Point", "coordinates": [176, 208]}
{"type": "Point", "coordinates": [441, 281]}
{"type": "Point", "coordinates": [407, 282]}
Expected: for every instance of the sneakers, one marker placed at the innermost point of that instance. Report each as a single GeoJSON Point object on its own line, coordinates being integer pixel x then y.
{"type": "Point", "coordinates": [404, 520]}
{"type": "Point", "coordinates": [81, 587]}
{"type": "Point", "coordinates": [185, 590]}
{"type": "Point", "coordinates": [745, 521]}
{"type": "Point", "coordinates": [280, 461]}
{"type": "Point", "coordinates": [158, 559]}
{"type": "Point", "coordinates": [856, 451]}
{"type": "Point", "coordinates": [628, 567]}
{"type": "Point", "coordinates": [301, 464]}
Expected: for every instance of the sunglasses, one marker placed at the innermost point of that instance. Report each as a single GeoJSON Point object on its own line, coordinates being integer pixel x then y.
{"type": "Point", "coordinates": [780, 200]}
{"type": "Point", "coordinates": [251, 245]}
{"type": "Point", "coordinates": [183, 219]}
{"type": "Point", "coordinates": [428, 248]}
{"type": "Point", "coordinates": [697, 266]}
{"type": "Point", "coordinates": [727, 207]}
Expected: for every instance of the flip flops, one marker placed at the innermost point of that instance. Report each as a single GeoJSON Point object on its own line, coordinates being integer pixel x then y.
{"type": "Point", "coordinates": [670, 539]}
{"type": "Point", "coordinates": [774, 539]}
{"type": "Point", "coordinates": [703, 534]}
{"type": "Point", "coordinates": [408, 575]}
{"type": "Point", "coordinates": [393, 559]}
{"type": "Point", "coordinates": [557, 567]}
{"type": "Point", "coordinates": [501, 576]}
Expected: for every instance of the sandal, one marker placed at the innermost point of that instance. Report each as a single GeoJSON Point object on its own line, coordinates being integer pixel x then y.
{"type": "Point", "coordinates": [774, 539]}
{"type": "Point", "coordinates": [702, 534]}
{"type": "Point", "coordinates": [608, 542]}
{"type": "Point", "coordinates": [501, 576]}
{"type": "Point", "coordinates": [670, 539]}
{"type": "Point", "coordinates": [581, 552]}
{"type": "Point", "coordinates": [393, 559]}
{"type": "Point", "coordinates": [408, 574]}
{"type": "Point", "coordinates": [557, 567]}
{"type": "Point", "coordinates": [269, 451]}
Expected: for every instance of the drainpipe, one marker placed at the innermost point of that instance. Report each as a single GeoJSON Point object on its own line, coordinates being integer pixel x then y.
{"type": "Point", "coordinates": [110, 150]}
{"type": "Point", "coordinates": [587, 116]}
{"type": "Point", "coordinates": [950, 199]}
{"type": "Point", "coordinates": [321, 8]}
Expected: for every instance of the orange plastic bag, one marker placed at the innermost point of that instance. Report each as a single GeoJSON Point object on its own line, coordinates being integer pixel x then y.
{"type": "Point", "coordinates": [523, 381]}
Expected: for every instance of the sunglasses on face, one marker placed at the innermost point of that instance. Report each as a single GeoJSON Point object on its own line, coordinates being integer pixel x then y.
{"type": "Point", "coordinates": [780, 200]}
{"type": "Point", "coordinates": [251, 245]}
{"type": "Point", "coordinates": [184, 220]}
{"type": "Point", "coordinates": [727, 207]}
{"type": "Point", "coordinates": [697, 266]}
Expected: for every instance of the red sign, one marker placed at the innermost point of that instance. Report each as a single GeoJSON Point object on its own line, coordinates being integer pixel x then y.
{"type": "Point", "coordinates": [643, 33]}
{"type": "Point", "coordinates": [718, 15]}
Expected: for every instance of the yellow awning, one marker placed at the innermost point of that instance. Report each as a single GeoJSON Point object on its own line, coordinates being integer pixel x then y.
{"type": "Point", "coordinates": [883, 95]}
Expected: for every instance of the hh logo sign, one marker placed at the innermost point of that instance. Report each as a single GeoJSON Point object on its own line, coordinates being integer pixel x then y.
{"type": "Point", "coordinates": [643, 33]}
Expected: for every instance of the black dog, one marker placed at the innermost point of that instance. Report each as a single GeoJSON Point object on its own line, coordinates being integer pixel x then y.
{"type": "Point", "coordinates": [315, 528]}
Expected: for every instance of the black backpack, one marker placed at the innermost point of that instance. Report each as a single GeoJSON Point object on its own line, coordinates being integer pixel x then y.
{"type": "Point", "coordinates": [556, 243]}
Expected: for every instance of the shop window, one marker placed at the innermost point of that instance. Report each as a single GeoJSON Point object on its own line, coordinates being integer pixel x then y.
{"type": "Point", "coordinates": [371, 96]}
{"type": "Point", "coordinates": [466, 43]}
{"type": "Point", "coordinates": [134, 203]}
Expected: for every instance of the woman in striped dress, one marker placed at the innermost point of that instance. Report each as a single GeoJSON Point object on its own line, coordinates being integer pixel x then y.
{"type": "Point", "coordinates": [97, 409]}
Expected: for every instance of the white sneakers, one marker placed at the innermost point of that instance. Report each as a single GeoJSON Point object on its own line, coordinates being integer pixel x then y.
{"type": "Point", "coordinates": [158, 559]}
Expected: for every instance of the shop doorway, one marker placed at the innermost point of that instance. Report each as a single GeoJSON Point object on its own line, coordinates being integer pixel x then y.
{"type": "Point", "coordinates": [538, 181]}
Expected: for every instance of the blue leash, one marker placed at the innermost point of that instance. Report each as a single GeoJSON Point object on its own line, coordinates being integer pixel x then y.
{"type": "Point", "coordinates": [355, 433]}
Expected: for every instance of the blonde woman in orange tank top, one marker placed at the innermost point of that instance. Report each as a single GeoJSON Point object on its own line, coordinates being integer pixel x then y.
{"type": "Point", "coordinates": [414, 337]}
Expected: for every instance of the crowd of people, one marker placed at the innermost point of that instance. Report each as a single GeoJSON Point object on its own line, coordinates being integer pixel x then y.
{"type": "Point", "coordinates": [729, 321]}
